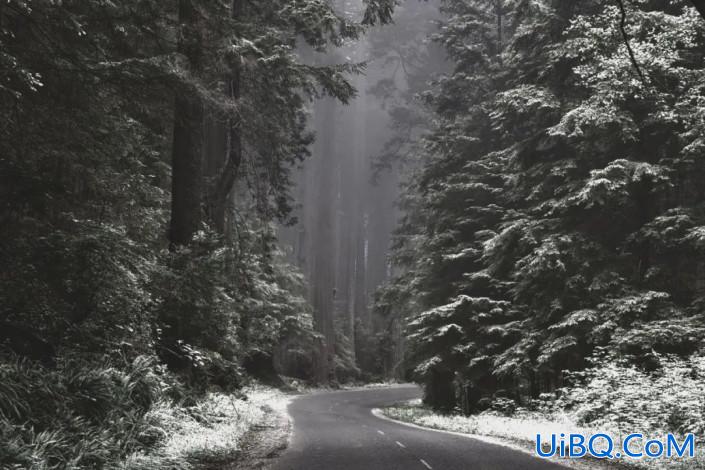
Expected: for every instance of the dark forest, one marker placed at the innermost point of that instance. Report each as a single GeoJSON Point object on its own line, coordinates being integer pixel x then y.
{"type": "Point", "coordinates": [221, 220]}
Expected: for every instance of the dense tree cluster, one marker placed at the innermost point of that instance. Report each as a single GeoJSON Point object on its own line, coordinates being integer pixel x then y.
{"type": "Point", "coordinates": [145, 150]}
{"type": "Point", "coordinates": [559, 204]}
{"type": "Point", "coordinates": [554, 211]}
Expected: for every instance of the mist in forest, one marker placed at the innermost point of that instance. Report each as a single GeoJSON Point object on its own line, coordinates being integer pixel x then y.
{"type": "Point", "coordinates": [346, 193]}
{"type": "Point", "coordinates": [243, 234]}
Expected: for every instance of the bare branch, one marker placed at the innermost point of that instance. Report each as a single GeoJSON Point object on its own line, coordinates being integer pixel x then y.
{"type": "Point", "coordinates": [625, 35]}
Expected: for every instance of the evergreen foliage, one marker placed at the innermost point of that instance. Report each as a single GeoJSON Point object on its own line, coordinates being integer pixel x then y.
{"type": "Point", "coordinates": [98, 293]}
{"type": "Point", "coordinates": [557, 208]}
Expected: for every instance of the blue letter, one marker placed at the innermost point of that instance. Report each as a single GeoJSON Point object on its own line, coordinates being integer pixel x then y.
{"type": "Point", "coordinates": [688, 441]}
{"type": "Point", "coordinates": [539, 449]}
{"type": "Point", "coordinates": [625, 445]}
{"type": "Point", "coordinates": [580, 444]}
{"type": "Point", "coordinates": [603, 454]}
{"type": "Point", "coordinates": [659, 445]}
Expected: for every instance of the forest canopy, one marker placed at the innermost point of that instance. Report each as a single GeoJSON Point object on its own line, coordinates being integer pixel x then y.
{"type": "Point", "coordinates": [146, 150]}
{"type": "Point", "coordinates": [186, 209]}
{"type": "Point", "coordinates": [556, 207]}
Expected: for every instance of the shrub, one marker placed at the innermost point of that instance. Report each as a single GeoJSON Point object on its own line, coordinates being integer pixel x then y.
{"type": "Point", "coordinates": [618, 395]}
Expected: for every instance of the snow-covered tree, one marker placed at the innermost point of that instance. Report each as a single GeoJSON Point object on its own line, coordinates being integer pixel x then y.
{"type": "Point", "coordinates": [561, 185]}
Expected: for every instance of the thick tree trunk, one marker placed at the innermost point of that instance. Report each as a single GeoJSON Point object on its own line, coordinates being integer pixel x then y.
{"type": "Point", "coordinates": [323, 289]}
{"type": "Point", "coordinates": [222, 187]}
{"type": "Point", "coordinates": [439, 390]}
{"type": "Point", "coordinates": [187, 173]}
{"type": "Point", "coordinates": [225, 183]}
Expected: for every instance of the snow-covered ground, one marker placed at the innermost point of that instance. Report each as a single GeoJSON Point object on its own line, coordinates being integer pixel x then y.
{"type": "Point", "coordinates": [211, 431]}
{"type": "Point", "coordinates": [520, 431]}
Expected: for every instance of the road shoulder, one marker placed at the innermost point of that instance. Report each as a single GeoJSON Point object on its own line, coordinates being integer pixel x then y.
{"type": "Point", "coordinates": [264, 442]}
{"type": "Point", "coordinates": [517, 445]}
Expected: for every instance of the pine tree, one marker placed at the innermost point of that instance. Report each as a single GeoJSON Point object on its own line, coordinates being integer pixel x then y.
{"type": "Point", "coordinates": [554, 185]}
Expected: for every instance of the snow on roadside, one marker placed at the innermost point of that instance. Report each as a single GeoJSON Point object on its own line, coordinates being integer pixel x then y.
{"type": "Point", "coordinates": [210, 431]}
{"type": "Point", "coordinates": [520, 432]}
{"type": "Point", "coordinates": [228, 420]}
{"type": "Point", "coordinates": [523, 428]}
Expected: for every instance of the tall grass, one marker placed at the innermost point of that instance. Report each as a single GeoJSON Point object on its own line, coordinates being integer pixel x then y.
{"type": "Point", "coordinates": [94, 415]}
{"type": "Point", "coordinates": [76, 415]}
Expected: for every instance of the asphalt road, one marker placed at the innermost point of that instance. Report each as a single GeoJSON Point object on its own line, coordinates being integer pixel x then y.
{"type": "Point", "coordinates": [337, 431]}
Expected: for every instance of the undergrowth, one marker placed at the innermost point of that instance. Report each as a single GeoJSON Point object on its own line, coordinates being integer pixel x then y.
{"type": "Point", "coordinates": [612, 397]}
{"type": "Point", "coordinates": [80, 414]}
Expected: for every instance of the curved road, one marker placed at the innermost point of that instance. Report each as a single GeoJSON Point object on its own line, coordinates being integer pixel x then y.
{"type": "Point", "coordinates": [337, 431]}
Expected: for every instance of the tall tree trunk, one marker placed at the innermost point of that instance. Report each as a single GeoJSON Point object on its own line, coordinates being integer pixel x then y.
{"type": "Point", "coordinates": [219, 193]}
{"type": "Point", "coordinates": [499, 11]}
{"type": "Point", "coordinates": [187, 172]}
{"type": "Point", "coordinates": [323, 234]}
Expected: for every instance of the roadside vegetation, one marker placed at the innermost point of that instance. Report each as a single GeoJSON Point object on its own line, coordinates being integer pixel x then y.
{"type": "Point", "coordinates": [612, 398]}
{"type": "Point", "coordinates": [208, 434]}
{"type": "Point", "coordinates": [135, 417]}
{"type": "Point", "coordinates": [145, 157]}
{"type": "Point", "coordinates": [552, 241]}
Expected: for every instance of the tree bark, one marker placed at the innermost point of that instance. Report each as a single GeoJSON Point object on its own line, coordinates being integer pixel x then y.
{"type": "Point", "coordinates": [187, 172]}
{"type": "Point", "coordinates": [223, 186]}
{"type": "Point", "coordinates": [499, 12]}
{"type": "Point", "coordinates": [323, 279]}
